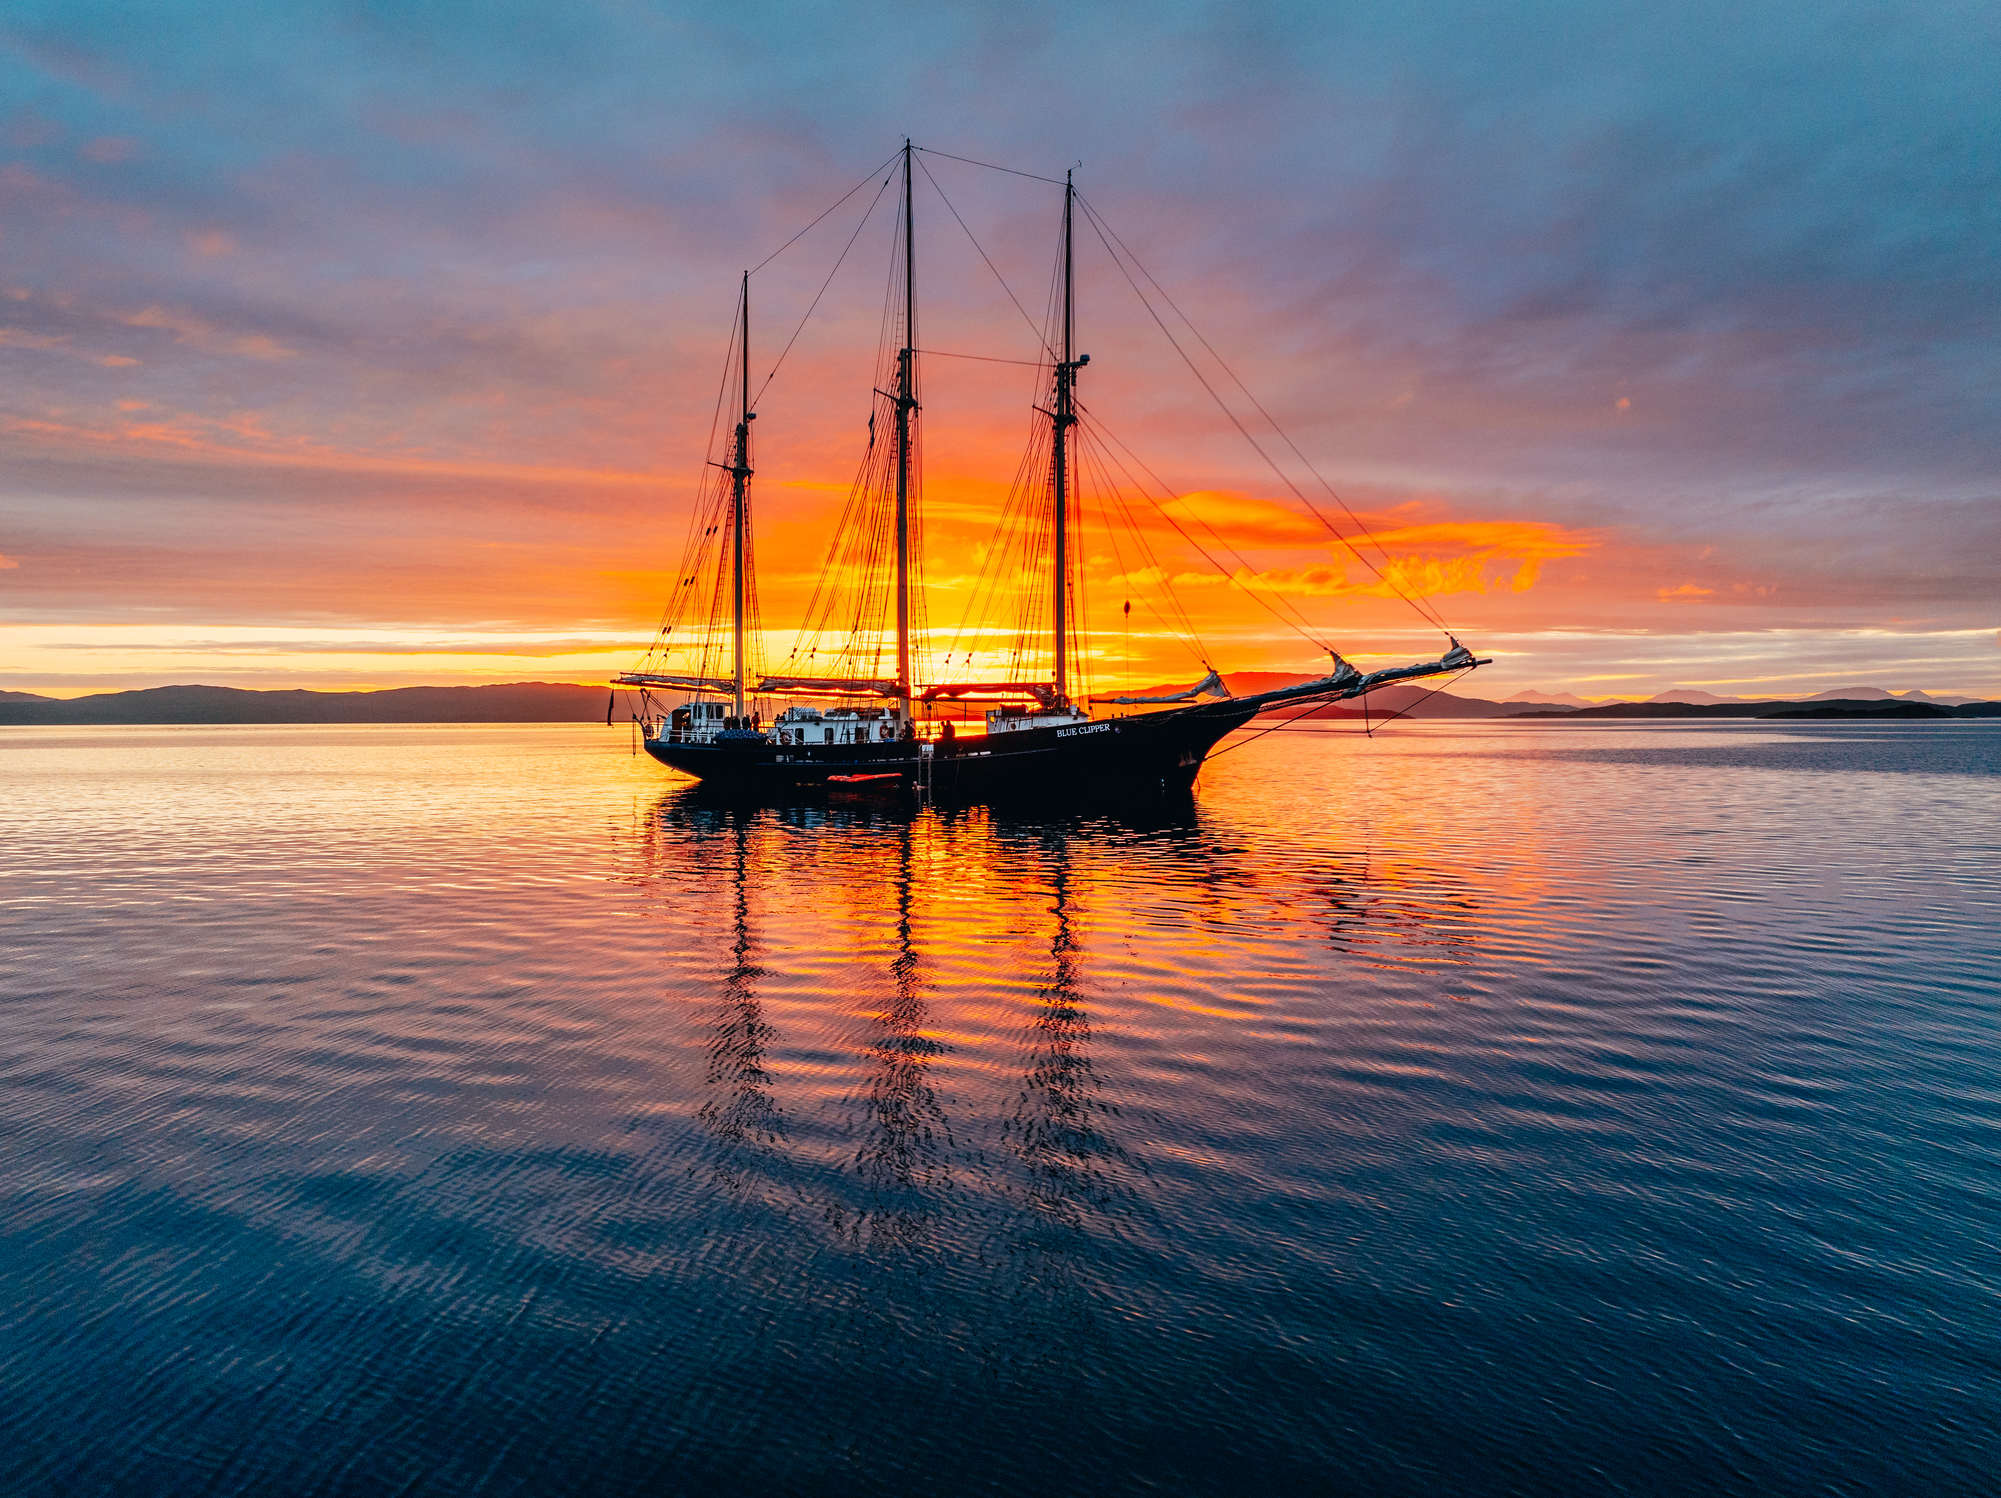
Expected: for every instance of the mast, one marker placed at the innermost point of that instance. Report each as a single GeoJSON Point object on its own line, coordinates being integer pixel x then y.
{"type": "Point", "coordinates": [906, 403]}
{"type": "Point", "coordinates": [1063, 418]}
{"type": "Point", "coordinates": [739, 502]}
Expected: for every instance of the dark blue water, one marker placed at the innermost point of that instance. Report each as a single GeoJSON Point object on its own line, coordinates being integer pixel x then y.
{"type": "Point", "coordinates": [1478, 1109]}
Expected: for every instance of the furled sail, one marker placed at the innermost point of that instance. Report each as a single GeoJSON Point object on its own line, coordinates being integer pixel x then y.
{"type": "Point", "coordinates": [1209, 686]}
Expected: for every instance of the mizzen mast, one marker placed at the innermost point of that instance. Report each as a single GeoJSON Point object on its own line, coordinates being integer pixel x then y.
{"type": "Point", "coordinates": [1063, 417]}
{"type": "Point", "coordinates": [906, 405]}
{"type": "Point", "coordinates": [739, 504]}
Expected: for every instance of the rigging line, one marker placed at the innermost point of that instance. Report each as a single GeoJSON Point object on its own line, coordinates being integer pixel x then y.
{"type": "Point", "coordinates": [1297, 622]}
{"type": "Point", "coordinates": [1101, 455]}
{"type": "Point", "coordinates": [1006, 542]}
{"type": "Point", "coordinates": [816, 222]}
{"type": "Point", "coordinates": [1312, 707]}
{"type": "Point", "coordinates": [722, 386]}
{"type": "Point", "coordinates": [1313, 733]}
{"type": "Point", "coordinates": [1244, 431]}
{"type": "Point", "coordinates": [1236, 380]}
{"type": "Point", "coordinates": [825, 587]}
{"type": "Point", "coordinates": [1423, 611]}
{"type": "Point", "coordinates": [1040, 337]}
{"type": "Point", "coordinates": [1011, 171]}
{"type": "Point", "coordinates": [814, 306]}
{"type": "Point", "coordinates": [936, 353]}
{"type": "Point", "coordinates": [1403, 712]}
{"type": "Point", "coordinates": [1094, 459]}
{"type": "Point", "coordinates": [1224, 408]}
{"type": "Point", "coordinates": [1422, 607]}
{"type": "Point", "coordinates": [1016, 535]}
{"type": "Point", "coordinates": [851, 564]}
{"type": "Point", "coordinates": [1272, 728]}
{"type": "Point", "coordinates": [670, 612]}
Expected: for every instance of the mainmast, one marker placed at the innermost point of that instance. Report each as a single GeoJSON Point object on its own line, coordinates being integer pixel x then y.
{"type": "Point", "coordinates": [906, 403]}
{"type": "Point", "coordinates": [1063, 418]}
{"type": "Point", "coordinates": [739, 502]}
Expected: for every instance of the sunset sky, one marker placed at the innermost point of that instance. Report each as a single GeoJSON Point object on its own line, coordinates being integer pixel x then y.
{"type": "Point", "coordinates": [360, 345]}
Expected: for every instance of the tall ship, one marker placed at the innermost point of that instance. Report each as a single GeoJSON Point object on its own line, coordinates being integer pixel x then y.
{"type": "Point", "coordinates": [869, 697]}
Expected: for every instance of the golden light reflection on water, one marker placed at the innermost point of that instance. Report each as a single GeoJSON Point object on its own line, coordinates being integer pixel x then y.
{"type": "Point", "coordinates": [896, 990]}
{"type": "Point", "coordinates": [1394, 1074]}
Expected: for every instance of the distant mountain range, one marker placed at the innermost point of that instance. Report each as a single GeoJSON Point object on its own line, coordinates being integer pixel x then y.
{"type": "Point", "coordinates": [515, 702]}
{"type": "Point", "coordinates": [1837, 694]}
{"type": "Point", "coordinates": [1426, 702]}
{"type": "Point", "coordinates": [1885, 707]}
{"type": "Point", "coordinates": [561, 702]}
{"type": "Point", "coordinates": [1546, 699]}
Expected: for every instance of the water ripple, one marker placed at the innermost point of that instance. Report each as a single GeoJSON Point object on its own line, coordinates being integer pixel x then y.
{"type": "Point", "coordinates": [1486, 1108]}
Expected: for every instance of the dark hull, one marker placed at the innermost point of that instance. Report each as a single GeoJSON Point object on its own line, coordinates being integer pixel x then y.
{"type": "Point", "coordinates": [1116, 759]}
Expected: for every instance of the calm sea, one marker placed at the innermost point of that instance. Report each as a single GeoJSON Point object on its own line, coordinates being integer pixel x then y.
{"type": "Point", "coordinates": [1474, 1109]}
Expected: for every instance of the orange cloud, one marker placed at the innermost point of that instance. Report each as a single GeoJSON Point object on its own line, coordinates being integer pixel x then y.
{"type": "Point", "coordinates": [1686, 593]}
{"type": "Point", "coordinates": [237, 442]}
{"type": "Point", "coordinates": [196, 333]}
{"type": "Point", "coordinates": [1243, 520]}
{"type": "Point", "coordinates": [1456, 556]}
{"type": "Point", "coordinates": [1528, 542]}
{"type": "Point", "coordinates": [1444, 556]}
{"type": "Point", "coordinates": [59, 343]}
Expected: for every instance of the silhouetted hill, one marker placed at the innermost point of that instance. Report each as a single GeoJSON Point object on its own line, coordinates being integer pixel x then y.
{"type": "Point", "coordinates": [1691, 695]}
{"type": "Point", "coordinates": [1890, 708]}
{"type": "Point", "coordinates": [560, 702]}
{"type": "Point", "coordinates": [1660, 710]}
{"type": "Point", "coordinates": [1420, 702]}
{"type": "Point", "coordinates": [1853, 708]}
{"type": "Point", "coordinates": [1526, 700]}
{"type": "Point", "coordinates": [515, 702]}
{"type": "Point", "coordinates": [1417, 702]}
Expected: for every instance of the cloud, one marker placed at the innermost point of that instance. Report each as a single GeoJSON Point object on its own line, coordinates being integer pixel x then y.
{"type": "Point", "coordinates": [1603, 288]}
{"type": "Point", "coordinates": [1243, 520]}
{"type": "Point", "coordinates": [245, 441]}
{"type": "Point", "coordinates": [1685, 593]}
{"type": "Point", "coordinates": [196, 331]}
{"type": "Point", "coordinates": [1451, 556]}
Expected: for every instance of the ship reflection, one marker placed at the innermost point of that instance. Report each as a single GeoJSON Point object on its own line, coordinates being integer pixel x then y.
{"type": "Point", "coordinates": [1059, 1127]}
{"type": "Point", "coordinates": [905, 1003]}
{"type": "Point", "coordinates": [903, 1155]}
{"type": "Point", "coordinates": [738, 1109]}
